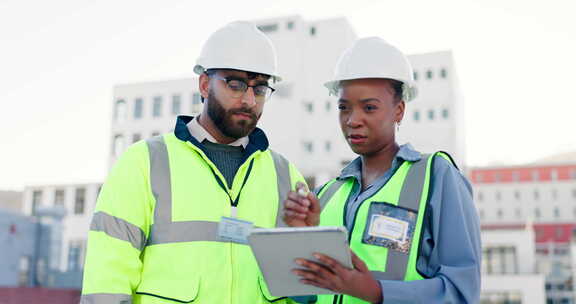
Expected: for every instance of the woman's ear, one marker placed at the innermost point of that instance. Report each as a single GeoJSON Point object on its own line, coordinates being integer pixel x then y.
{"type": "Point", "coordinates": [400, 109]}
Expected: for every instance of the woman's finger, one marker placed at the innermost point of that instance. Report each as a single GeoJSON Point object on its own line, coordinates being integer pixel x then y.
{"type": "Point", "coordinates": [358, 263]}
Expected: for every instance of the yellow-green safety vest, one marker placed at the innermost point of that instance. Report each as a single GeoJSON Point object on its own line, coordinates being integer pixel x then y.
{"type": "Point", "coordinates": [406, 189]}
{"type": "Point", "coordinates": [153, 237]}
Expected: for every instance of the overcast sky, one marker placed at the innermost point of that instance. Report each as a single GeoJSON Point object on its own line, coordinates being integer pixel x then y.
{"type": "Point", "coordinates": [60, 59]}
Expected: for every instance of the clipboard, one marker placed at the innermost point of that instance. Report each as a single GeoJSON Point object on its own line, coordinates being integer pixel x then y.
{"type": "Point", "coordinates": [276, 249]}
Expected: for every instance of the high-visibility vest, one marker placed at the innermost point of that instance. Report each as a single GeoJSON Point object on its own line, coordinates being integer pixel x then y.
{"type": "Point", "coordinates": [407, 189]}
{"type": "Point", "coordinates": [153, 238]}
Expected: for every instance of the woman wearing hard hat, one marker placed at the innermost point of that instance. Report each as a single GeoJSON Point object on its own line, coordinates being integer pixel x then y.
{"type": "Point", "coordinates": [413, 229]}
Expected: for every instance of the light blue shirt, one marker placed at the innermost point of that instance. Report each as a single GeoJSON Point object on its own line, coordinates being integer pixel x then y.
{"type": "Point", "coordinates": [450, 251]}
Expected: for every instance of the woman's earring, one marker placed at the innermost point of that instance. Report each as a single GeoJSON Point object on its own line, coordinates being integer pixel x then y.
{"type": "Point", "coordinates": [398, 126]}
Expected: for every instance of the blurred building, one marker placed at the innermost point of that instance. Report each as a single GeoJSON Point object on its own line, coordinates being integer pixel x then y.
{"type": "Point", "coordinates": [11, 201]}
{"type": "Point", "coordinates": [542, 194]}
{"type": "Point", "coordinates": [70, 208]}
{"type": "Point", "coordinates": [509, 269]}
{"type": "Point", "coordinates": [17, 240]}
{"type": "Point", "coordinates": [301, 119]}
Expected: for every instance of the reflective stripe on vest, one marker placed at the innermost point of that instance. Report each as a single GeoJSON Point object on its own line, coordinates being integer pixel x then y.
{"type": "Point", "coordinates": [397, 262]}
{"type": "Point", "coordinates": [118, 228]}
{"type": "Point", "coordinates": [106, 298]}
{"type": "Point", "coordinates": [284, 184]}
{"type": "Point", "coordinates": [164, 230]}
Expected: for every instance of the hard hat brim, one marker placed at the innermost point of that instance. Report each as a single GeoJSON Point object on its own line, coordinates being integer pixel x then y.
{"type": "Point", "coordinates": [408, 94]}
{"type": "Point", "coordinates": [198, 69]}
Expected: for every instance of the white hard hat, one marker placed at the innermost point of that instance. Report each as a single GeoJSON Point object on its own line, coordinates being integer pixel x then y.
{"type": "Point", "coordinates": [373, 57]}
{"type": "Point", "coordinates": [241, 46]}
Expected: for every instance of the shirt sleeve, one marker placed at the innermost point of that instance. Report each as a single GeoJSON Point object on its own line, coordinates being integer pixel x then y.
{"type": "Point", "coordinates": [450, 251]}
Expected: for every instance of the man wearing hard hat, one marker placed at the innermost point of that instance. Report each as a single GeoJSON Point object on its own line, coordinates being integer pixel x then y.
{"type": "Point", "coordinates": [413, 229]}
{"type": "Point", "coordinates": [171, 221]}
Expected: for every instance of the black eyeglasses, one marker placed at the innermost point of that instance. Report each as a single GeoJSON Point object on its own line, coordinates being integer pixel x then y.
{"type": "Point", "coordinates": [238, 87]}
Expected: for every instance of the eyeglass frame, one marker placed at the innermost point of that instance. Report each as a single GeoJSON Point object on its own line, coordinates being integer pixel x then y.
{"type": "Point", "coordinates": [227, 80]}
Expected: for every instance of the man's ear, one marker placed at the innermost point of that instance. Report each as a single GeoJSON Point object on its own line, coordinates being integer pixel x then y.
{"type": "Point", "coordinates": [204, 85]}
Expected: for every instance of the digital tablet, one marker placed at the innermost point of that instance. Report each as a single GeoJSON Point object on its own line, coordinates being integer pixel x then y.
{"type": "Point", "coordinates": [276, 249]}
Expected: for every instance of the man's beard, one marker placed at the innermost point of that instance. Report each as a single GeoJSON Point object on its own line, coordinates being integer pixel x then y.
{"type": "Point", "coordinates": [224, 121]}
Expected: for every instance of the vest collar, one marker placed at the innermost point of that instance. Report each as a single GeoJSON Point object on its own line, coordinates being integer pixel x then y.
{"type": "Point", "coordinates": [257, 139]}
{"type": "Point", "coordinates": [405, 153]}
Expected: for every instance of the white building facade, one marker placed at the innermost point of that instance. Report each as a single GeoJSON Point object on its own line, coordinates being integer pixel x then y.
{"type": "Point", "coordinates": [301, 119]}
{"type": "Point", "coordinates": [541, 195]}
{"type": "Point", "coordinates": [77, 202]}
{"type": "Point", "coordinates": [509, 268]}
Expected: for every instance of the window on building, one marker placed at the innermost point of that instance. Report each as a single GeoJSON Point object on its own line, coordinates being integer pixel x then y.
{"type": "Point", "coordinates": [499, 260]}
{"type": "Point", "coordinates": [136, 137]}
{"type": "Point", "coordinates": [138, 108]}
{"type": "Point", "coordinates": [24, 271]}
{"type": "Point", "coordinates": [501, 297]}
{"type": "Point", "coordinates": [118, 145]}
{"type": "Point", "coordinates": [429, 74]}
{"type": "Point", "coordinates": [498, 195]}
{"type": "Point", "coordinates": [176, 104]}
{"type": "Point", "coordinates": [574, 193]}
{"type": "Point", "coordinates": [554, 194]}
{"type": "Point", "coordinates": [500, 213]}
{"type": "Point", "coordinates": [445, 113]}
{"type": "Point", "coordinates": [36, 201]}
{"type": "Point", "coordinates": [415, 75]}
{"type": "Point", "coordinates": [537, 213]}
{"type": "Point", "coordinates": [157, 106]}
{"type": "Point", "coordinates": [75, 255]}
{"type": "Point", "coordinates": [556, 212]}
{"type": "Point", "coordinates": [443, 73]}
{"type": "Point", "coordinates": [517, 195]}
{"type": "Point", "coordinates": [554, 174]}
{"type": "Point", "coordinates": [328, 146]}
{"type": "Point", "coordinates": [479, 177]}
{"type": "Point", "coordinates": [196, 102]}
{"type": "Point", "coordinates": [416, 115]}
{"type": "Point", "coordinates": [59, 197]}
{"type": "Point", "coordinates": [313, 31]}
{"type": "Point", "coordinates": [308, 146]}
{"type": "Point", "coordinates": [290, 25]}
{"type": "Point", "coordinates": [536, 195]}
{"type": "Point", "coordinates": [481, 212]}
{"type": "Point", "coordinates": [120, 110]}
{"type": "Point", "coordinates": [309, 107]}
{"type": "Point", "coordinates": [268, 28]}
{"type": "Point", "coordinates": [574, 212]}
{"type": "Point", "coordinates": [431, 114]}
{"type": "Point", "coordinates": [480, 196]}
{"type": "Point", "coordinates": [518, 213]}
{"type": "Point", "coordinates": [79, 200]}
{"type": "Point", "coordinates": [558, 232]}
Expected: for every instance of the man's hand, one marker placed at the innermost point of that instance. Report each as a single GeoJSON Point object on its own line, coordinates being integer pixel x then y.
{"type": "Point", "coordinates": [301, 208]}
{"type": "Point", "coordinates": [357, 282]}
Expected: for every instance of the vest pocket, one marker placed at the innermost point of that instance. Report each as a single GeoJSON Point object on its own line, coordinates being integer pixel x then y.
{"type": "Point", "coordinates": [178, 291]}
{"type": "Point", "coordinates": [266, 293]}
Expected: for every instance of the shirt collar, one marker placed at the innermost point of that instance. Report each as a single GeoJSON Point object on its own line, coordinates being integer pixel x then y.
{"type": "Point", "coordinates": [405, 153]}
{"type": "Point", "coordinates": [200, 134]}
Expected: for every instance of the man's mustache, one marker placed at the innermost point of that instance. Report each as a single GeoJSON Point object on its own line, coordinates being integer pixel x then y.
{"type": "Point", "coordinates": [244, 111]}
